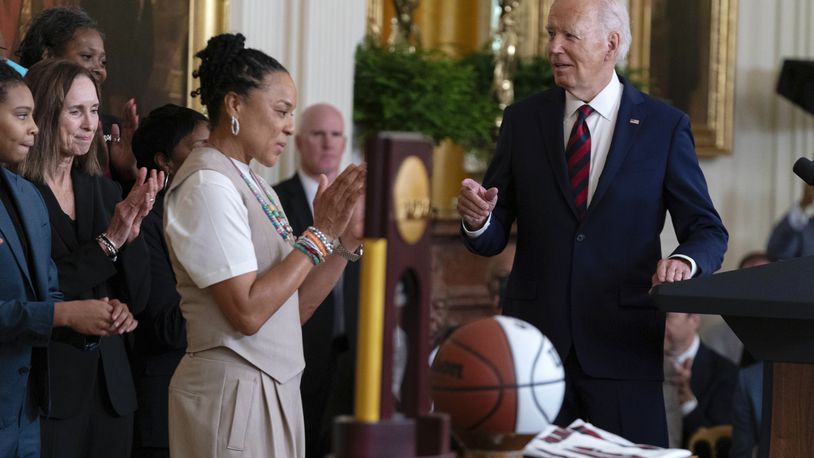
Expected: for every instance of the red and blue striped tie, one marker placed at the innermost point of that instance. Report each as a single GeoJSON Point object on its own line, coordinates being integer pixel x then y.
{"type": "Point", "coordinates": [578, 155]}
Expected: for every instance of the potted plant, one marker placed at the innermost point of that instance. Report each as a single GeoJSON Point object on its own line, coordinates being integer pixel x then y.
{"type": "Point", "coordinates": [419, 91]}
{"type": "Point", "coordinates": [427, 92]}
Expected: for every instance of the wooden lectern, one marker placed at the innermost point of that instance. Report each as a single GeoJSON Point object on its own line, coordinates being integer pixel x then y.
{"type": "Point", "coordinates": [771, 309]}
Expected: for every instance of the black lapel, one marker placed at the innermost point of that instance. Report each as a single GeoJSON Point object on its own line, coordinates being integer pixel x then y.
{"type": "Point", "coordinates": [551, 119]}
{"type": "Point", "coordinates": [296, 206]}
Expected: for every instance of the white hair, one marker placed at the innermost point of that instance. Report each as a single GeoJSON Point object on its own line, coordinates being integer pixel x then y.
{"type": "Point", "coordinates": [614, 17]}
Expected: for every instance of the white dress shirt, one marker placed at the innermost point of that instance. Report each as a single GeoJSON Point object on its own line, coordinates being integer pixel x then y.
{"type": "Point", "coordinates": [310, 186]}
{"type": "Point", "coordinates": [209, 228]}
{"type": "Point", "coordinates": [689, 353]}
{"type": "Point", "coordinates": [601, 124]}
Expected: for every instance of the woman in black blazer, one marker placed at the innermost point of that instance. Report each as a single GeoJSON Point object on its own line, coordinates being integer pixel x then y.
{"type": "Point", "coordinates": [98, 254]}
{"type": "Point", "coordinates": [163, 140]}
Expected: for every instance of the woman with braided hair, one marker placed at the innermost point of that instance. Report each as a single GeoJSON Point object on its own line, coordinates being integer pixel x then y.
{"type": "Point", "coordinates": [246, 281]}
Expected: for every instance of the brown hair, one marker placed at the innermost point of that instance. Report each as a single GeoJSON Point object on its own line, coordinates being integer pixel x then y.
{"type": "Point", "coordinates": [50, 80]}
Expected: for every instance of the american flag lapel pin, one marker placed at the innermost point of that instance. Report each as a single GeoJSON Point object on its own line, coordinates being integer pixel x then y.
{"type": "Point", "coordinates": [634, 121]}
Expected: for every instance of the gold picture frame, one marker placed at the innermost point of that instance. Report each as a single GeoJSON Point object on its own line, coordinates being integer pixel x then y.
{"type": "Point", "coordinates": [150, 44]}
{"type": "Point", "coordinates": [207, 18]}
{"type": "Point", "coordinates": [686, 53]}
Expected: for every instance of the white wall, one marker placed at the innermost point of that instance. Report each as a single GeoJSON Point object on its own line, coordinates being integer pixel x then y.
{"type": "Point", "coordinates": [315, 40]}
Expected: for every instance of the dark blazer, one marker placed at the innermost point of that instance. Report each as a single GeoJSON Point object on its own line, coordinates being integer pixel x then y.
{"type": "Point", "coordinates": [747, 410]}
{"type": "Point", "coordinates": [585, 284]}
{"type": "Point", "coordinates": [320, 348]}
{"type": "Point", "coordinates": [713, 382]}
{"type": "Point", "coordinates": [160, 339]}
{"type": "Point", "coordinates": [85, 272]}
{"type": "Point", "coordinates": [24, 323]}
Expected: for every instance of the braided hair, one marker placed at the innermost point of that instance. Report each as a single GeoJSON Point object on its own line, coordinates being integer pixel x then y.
{"type": "Point", "coordinates": [8, 78]}
{"type": "Point", "coordinates": [52, 29]}
{"type": "Point", "coordinates": [228, 66]}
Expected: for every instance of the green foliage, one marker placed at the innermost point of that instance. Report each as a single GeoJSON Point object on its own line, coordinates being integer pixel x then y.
{"type": "Point", "coordinates": [441, 97]}
{"type": "Point", "coordinates": [420, 91]}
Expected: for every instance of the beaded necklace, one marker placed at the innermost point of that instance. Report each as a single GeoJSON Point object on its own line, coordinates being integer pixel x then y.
{"type": "Point", "coordinates": [273, 211]}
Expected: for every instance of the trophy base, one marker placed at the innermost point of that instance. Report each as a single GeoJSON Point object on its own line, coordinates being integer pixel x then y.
{"type": "Point", "coordinates": [493, 445]}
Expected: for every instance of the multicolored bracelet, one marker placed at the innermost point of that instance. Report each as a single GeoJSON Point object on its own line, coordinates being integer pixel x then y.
{"type": "Point", "coordinates": [329, 246]}
{"type": "Point", "coordinates": [315, 245]}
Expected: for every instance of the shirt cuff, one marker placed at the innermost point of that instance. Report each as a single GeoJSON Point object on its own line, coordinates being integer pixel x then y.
{"type": "Point", "coordinates": [798, 219]}
{"type": "Point", "coordinates": [689, 406]}
{"type": "Point", "coordinates": [693, 265]}
{"type": "Point", "coordinates": [476, 234]}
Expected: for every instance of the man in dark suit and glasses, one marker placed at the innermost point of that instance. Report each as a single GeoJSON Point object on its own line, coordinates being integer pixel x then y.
{"type": "Point", "coordinates": [588, 171]}
{"type": "Point", "coordinates": [330, 332]}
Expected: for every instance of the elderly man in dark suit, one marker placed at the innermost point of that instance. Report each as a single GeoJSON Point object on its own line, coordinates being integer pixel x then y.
{"type": "Point", "coordinates": [588, 171]}
{"type": "Point", "coordinates": [330, 332]}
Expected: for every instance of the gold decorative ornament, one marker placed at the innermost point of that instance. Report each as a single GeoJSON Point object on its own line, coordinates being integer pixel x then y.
{"type": "Point", "coordinates": [404, 32]}
{"type": "Point", "coordinates": [505, 47]}
{"type": "Point", "coordinates": [411, 199]}
{"type": "Point", "coordinates": [207, 18]}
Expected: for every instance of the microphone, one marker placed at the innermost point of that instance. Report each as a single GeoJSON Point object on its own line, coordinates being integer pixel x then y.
{"type": "Point", "coordinates": [804, 168]}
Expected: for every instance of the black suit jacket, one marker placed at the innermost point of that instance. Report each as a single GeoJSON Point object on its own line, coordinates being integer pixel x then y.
{"type": "Point", "coordinates": [713, 382]}
{"type": "Point", "coordinates": [85, 272]}
{"type": "Point", "coordinates": [160, 339]}
{"type": "Point", "coordinates": [317, 331]}
{"type": "Point", "coordinates": [319, 346]}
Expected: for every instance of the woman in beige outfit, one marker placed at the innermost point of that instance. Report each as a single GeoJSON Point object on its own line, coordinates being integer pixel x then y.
{"type": "Point", "coordinates": [246, 282]}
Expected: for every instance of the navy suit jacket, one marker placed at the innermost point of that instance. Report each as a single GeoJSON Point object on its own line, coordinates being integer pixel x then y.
{"type": "Point", "coordinates": [585, 284]}
{"type": "Point", "coordinates": [160, 339]}
{"type": "Point", "coordinates": [24, 324]}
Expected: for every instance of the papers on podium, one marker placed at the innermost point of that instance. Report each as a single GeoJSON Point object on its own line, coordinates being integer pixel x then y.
{"type": "Point", "coordinates": [583, 440]}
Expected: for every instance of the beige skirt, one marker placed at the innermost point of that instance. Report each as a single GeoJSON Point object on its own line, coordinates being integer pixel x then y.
{"type": "Point", "coordinates": [222, 406]}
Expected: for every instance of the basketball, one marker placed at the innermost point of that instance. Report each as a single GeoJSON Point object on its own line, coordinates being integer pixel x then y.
{"type": "Point", "coordinates": [498, 375]}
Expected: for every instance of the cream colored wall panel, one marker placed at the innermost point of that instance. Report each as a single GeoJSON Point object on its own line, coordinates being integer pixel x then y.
{"type": "Point", "coordinates": [315, 40]}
